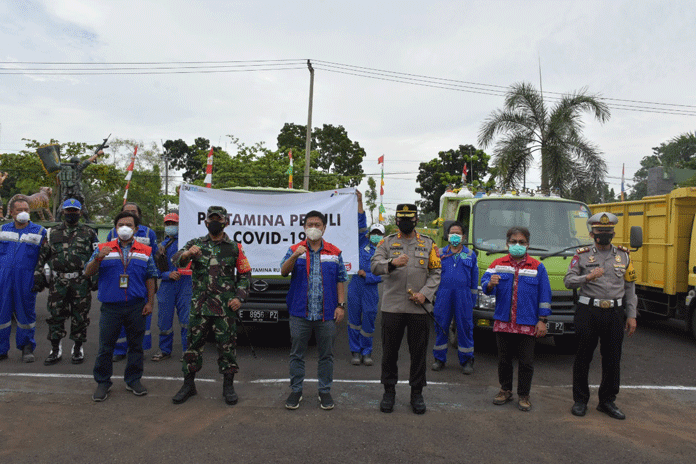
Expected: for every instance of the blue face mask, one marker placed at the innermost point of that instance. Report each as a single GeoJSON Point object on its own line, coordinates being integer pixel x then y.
{"type": "Point", "coordinates": [455, 239]}
{"type": "Point", "coordinates": [376, 238]}
{"type": "Point", "coordinates": [171, 230]}
{"type": "Point", "coordinates": [517, 250]}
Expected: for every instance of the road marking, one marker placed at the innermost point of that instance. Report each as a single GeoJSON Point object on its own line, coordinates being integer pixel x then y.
{"type": "Point", "coordinates": [272, 381]}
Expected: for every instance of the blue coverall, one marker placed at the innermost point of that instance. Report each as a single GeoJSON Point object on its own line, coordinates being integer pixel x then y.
{"type": "Point", "coordinates": [456, 297]}
{"type": "Point", "coordinates": [146, 236]}
{"type": "Point", "coordinates": [173, 295]}
{"type": "Point", "coordinates": [363, 296]}
{"type": "Point", "coordinates": [19, 252]}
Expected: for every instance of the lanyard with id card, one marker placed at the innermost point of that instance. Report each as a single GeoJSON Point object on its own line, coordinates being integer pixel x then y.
{"type": "Point", "coordinates": [123, 278]}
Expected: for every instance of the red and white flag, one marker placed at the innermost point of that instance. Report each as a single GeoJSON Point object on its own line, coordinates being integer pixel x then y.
{"type": "Point", "coordinates": [464, 172]}
{"type": "Point", "coordinates": [129, 174]}
{"type": "Point", "coordinates": [209, 170]}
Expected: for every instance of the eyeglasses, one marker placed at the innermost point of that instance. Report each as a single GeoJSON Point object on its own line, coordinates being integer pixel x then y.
{"type": "Point", "coordinates": [518, 242]}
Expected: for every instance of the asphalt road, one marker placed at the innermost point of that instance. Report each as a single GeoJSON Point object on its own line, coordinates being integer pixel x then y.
{"type": "Point", "coordinates": [47, 415]}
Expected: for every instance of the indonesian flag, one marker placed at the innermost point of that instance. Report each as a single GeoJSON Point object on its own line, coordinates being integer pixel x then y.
{"type": "Point", "coordinates": [290, 170]}
{"type": "Point", "coordinates": [209, 170]}
{"type": "Point", "coordinates": [380, 160]}
{"type": "Point", "coordinates": [129, 174]}
{"type": "Point", "coordinates": [464, 172]}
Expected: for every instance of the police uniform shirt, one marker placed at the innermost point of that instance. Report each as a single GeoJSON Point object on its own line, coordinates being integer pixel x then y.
{"type": "Point", "coordinates": [618, 280]}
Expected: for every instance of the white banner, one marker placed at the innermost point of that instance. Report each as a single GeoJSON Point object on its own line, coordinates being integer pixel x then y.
{"type": "Point", "coordinates": [267, 223]}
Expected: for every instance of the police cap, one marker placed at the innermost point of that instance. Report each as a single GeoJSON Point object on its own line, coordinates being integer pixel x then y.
{"type": "Point", "coordinates": [406, 210]}
{"type": "Point", "coordinates": [602, 220]}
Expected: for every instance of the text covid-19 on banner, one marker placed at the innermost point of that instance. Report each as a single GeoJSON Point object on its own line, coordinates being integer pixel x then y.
{"type": "Point", "coordinates": [268, 222]}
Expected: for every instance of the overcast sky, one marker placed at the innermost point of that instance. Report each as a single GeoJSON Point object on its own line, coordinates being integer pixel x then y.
{"type": "Point", "coordinates": [624, 50]}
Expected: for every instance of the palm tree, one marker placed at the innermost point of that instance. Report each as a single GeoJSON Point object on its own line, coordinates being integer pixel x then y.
{"type": "Point", "coordinates": [569, 162]}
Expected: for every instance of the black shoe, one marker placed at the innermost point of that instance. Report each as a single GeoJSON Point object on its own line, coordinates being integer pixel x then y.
{"type": "Point", "coordinates": [3, 356]}
{"type": "Point", "coordinates": [417, 403]}
{"type": "Point", "coordinates": [101, 393]}
{"type": "Point", "coordinates": [610, 409]}
{"type": "Point", "coordinates": [55, 355]}
{"type": "Point", "coordinates": [28, 354]}
{"type": "Point", "coordinates": [187, 391]}
{"type": "Point", "coordinates": [356, 359]}
{"type": "Point", "coordinates": [325, 401]}
{"type": "Point", "coordinates": [78, 354]}
{"type": "Point", "coordinates": [468, 367]}
{"type": "Point", "coordinates": [579, 409]}
{"type": "Point", "coordinates": [137, 388]}
{"type": "Point", "coordinates": [388, 400]}
{"type": "Point", "coordinates": [228, 392]}
{"type": "Point", "coordinates": [293, 401]}
{"type": "Point", "coordinates": [118, 357]}
{"type": "Point", "coordinates": [437, 365]}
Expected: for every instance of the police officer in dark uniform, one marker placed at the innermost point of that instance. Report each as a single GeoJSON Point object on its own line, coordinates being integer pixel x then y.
{"type": "Point", "coordinates": [606, 307]}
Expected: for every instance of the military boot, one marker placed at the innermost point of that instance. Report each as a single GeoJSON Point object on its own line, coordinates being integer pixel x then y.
{"type": "Point", "coordinates": [388, 399]}
{"type": "Point", "coordinates": [228, 392]}
{"type": "Point", "coordinates": [187, 391]}
{"type": "Point", "coordinates": [55, 355]}
{"type": "Point", "coordinates": [417, 401]}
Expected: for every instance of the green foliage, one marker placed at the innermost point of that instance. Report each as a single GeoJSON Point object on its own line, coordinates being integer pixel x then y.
{"type": "Point", "coordinates": [371, 197]}
{"type": "Point", "coordinates": [679, 152]}
{"type": "Point", "coordinates": [337, 155]}
{"type": "Point", "coordinates": [527, 128]}
{"type": "Point", "coordinates": [435, 175]}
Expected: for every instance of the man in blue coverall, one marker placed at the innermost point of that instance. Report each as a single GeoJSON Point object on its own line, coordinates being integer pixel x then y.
{"type": "Point", "coordinates": [20, 243]}
{"type": "Point", "coordinates": [147, 237]}
{"type": "Point", "coordinates": [456, 297]}
{"type": "Point", "coordinates": [363, 295]}
{"type": "Point", "coordinates": [174, 294]}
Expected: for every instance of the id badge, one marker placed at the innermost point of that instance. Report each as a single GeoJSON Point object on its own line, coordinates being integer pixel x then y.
{"type": "Point", "coordinates": [123, 281]}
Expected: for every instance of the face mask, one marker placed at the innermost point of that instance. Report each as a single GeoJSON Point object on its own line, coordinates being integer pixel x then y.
{"type": "Point", "coordinates": [517, 250]}
{"type": "Point", "coordinates": [375, 239]}
{"type": "Point", "coordinates": [171, 230]}
{"type": "Point", "coordinates": [406, 226]}
{"type": "Point", "coordinates": [125, 232]}
{"type": "Point", "coordinates": [215, 227]}
{"type": "Point", "coordinates": [603, 239]}
{"type": "Point", "coordinates": [313, 233]}
{"type": "Point", "coordinates": [23, 217]}
{"type": "Point", "coordinates": [72, 218]}
{"type": "Point", "coordinates": [455, 239]}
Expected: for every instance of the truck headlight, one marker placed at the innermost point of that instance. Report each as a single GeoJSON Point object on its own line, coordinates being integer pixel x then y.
{"type": "Point", "coordinates": [485, 301]}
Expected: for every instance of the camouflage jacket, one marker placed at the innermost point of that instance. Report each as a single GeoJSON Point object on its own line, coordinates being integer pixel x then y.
{"type": "Point", "coordinates": [67, 249]}
{"type": "Point", "coordinates": [213, 274]}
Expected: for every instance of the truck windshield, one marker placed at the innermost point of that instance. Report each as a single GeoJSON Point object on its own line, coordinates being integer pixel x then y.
{"type": "Point", "coordinates": [553, 225]}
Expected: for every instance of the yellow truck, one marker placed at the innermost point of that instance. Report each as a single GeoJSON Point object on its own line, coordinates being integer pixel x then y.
{"type": "Point", "coordinates": [666, 264]}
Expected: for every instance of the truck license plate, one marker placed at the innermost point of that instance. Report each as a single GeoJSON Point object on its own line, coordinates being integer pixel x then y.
{"type": "Point", "coordinates": [554, 328]}
{"type": "Point", "coordinates": [259, 315]}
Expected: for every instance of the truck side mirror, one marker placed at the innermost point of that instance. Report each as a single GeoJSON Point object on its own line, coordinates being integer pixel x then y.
{"type": "Point", "coordinates": [636, 237]}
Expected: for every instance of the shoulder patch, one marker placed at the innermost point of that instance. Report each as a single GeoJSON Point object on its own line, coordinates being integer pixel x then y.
{"type": "Point", "coordinates": [623, 248]}
{"type": "Point", "coordinates": [582, 250]}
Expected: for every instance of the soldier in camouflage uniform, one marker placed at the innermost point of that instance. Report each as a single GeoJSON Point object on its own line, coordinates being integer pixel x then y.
{"type": "Point", "coordinates": [217, 295]}
{"type": "Point", "coordinates": [68, 246]}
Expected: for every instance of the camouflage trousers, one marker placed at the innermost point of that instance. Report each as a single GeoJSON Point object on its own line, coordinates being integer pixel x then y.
{"type": "Point", "coordinates": [69, 299]}
{"type": "Point", "coordinates": [225, 330]}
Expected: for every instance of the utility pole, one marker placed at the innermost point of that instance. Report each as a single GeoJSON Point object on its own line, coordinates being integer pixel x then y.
{"type": "Point", "coordinates": [165, 156]}
{"type": "Point", "coordinates": [308, 144]}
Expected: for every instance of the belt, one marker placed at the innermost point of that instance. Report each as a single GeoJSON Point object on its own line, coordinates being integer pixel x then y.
{"type": "Point", "coordinates": [604, 304]}
{"type": "Point", "coordinates": [66, 275]}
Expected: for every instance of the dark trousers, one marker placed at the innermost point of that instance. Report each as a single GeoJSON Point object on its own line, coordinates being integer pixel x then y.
{"type": "Point", "coordinates": [418, 330]}
{"type": "Point", "coordinates": [509, 345]}
{"type": "Point", "coordinates": [113, 316]}
{"type": "Point", "coordinates": [606, 326]}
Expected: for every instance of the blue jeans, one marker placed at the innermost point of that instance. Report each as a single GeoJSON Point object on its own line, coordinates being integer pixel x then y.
{"type": "Point", "coordinates": [300, 332]}
{"type": "Point", "coordinates": [113, 317]}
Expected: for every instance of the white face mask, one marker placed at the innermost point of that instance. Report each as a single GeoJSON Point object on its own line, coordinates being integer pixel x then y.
{"type": "Point", "coordinates": [23, 217]}
{"type": "Point", "coordinates": [313, 233]}
{"type": "Point", "coordinates": [125, 232]}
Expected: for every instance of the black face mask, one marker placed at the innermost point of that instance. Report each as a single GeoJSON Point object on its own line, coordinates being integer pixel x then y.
{"type": "Point", "coordinates": [215, 227]}
{"type": "Point", "coordinates": [603, 239]}
{"type": "Point", "coordinates": [72, 218]}
{"type": "Point", "coordinates": [406, 226]}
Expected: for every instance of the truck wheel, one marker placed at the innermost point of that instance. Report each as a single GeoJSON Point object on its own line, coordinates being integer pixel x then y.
{"type": "Point", "coordinates": [693, 320]}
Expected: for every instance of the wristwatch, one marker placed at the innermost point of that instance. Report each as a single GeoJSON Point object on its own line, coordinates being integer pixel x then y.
{"type": "Point", "coordinates": [341, 305]}
{"type": "Point", "coordinates": [543, 319]}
